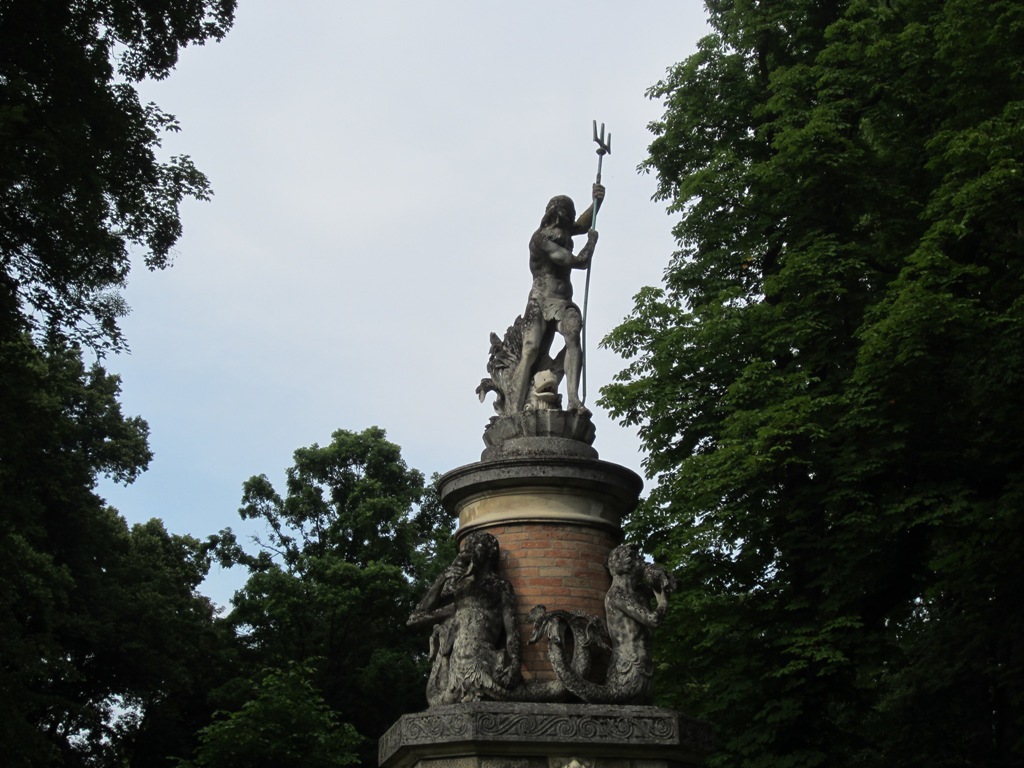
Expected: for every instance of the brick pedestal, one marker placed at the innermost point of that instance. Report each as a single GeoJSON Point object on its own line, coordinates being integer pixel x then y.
{"type": "Point", "coordinates": [556, 519]}
{"type": "Point", "coordinates": [559, 566]}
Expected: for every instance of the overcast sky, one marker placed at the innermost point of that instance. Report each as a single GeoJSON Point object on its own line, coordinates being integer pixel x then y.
{"type": "Point", "coordinates": [378, 170]}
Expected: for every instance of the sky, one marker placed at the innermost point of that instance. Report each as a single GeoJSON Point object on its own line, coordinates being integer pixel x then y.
{"type": "Point", "coordinates": [378, 170]}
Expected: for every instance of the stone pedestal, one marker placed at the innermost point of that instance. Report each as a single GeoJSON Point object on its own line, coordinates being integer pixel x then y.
{"type": "Point", "coordinates": [556, 511]}
{"type": "Point", "coordinates": [555, 518]}
{"type": "Point", "coordinates": [505, 735]}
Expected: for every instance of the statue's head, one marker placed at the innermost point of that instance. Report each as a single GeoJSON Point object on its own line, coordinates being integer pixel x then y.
{"type": "Point", "coordinates": [561, 209]}
{"type": "Point", "coordinates": [624, 559]}
{"type": "Point", "coordinates": [482, 548]}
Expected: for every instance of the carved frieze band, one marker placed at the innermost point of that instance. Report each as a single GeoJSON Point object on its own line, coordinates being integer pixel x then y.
{"type": "Point", "coordinates": [649, 726]}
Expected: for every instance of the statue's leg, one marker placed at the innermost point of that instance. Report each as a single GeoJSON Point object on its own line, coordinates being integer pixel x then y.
{"type": "Point", "coordinates": [570, 326]}
{"type": "Point", "coordinates": [533, 335]}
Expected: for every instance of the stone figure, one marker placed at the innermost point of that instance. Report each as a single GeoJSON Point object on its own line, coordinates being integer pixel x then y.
{"type": "Point", "coordinates": [474, 644]}
{"type": "Point", "coordinates": [524, 354]}
{"type": "Point", "coordinates": [630, 621]}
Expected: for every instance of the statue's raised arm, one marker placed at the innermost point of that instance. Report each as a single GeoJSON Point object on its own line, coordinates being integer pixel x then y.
{"type": "Point", "coordinates": [586, 220]}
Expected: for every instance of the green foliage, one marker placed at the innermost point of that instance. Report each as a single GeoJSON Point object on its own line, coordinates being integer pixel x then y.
{"type": "Point", "coordinates": [350, 499]}
{"type": "Point", "coordinates": [829, 382]}
{"type": "Point", "coordinates": [98, 622]}
{"type": "Point", "coordinates": [285, 723]}
{"type": "Point", "coordinates": [348, 550]}
{"type": "Point", "coordinates": [79, 177]}
{"type": "Point", "coordinates": [102, 634]}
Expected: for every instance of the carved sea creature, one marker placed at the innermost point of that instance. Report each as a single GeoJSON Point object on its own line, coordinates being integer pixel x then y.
{"type": "Point", "coordinates": [628, 632]}
{"type": "Point", "coordinates": [474, 644]}
{"type": "Point", "coordinates": [503, 357]}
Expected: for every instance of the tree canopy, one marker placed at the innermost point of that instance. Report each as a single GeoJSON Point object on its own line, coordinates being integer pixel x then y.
{"type": "Point", "coordinates": [100, 623]}
{"type": "Point", "coordinates": [80, 180]}
{"type": "Point", "coordinates": [828, 384]}
{"type": "Point", "coordinates": [285, 724]}
{"type": "Point", "coordinates": [348, 551]}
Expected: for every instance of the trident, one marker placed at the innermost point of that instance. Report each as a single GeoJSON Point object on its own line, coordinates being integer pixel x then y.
{"type": "Point", "coordinates": [603, 148]}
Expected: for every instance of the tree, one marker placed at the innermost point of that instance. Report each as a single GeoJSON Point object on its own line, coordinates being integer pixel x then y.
{"type": "Point", "coordinates": [348, 550]}
{"type": "Point", "coordinates": [99, 623]}
{"type": "Point", "coordinates": [829, 382]}
{"type": "Point", "coordinates": [285, 724]}
{"type": "Point", "coordinates": [79, 177]}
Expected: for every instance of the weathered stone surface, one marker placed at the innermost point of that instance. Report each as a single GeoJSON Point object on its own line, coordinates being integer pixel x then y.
{"type": "Point", "coordinates": [523, 373]}
{"type": "Point", "coordinates": [502, 731]}
{"type": "Point", "coordinates": [627, 631]}
{"type": "Point", "coordinates": [559, 761]}
{"type": "Point", "coordinates": [540, 433]}
{"type": "Point", "coordinates": [540, 489]}
{"type": "Point", "coordinates": [474, 643]}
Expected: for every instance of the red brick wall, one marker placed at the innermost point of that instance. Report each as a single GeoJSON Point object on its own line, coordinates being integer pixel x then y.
{"type": "Point", "coordinates": [558, 565]}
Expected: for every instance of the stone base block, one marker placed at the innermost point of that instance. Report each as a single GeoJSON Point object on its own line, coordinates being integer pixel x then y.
{"type": "Point", "coordinates": [542, 762]}
{"type": "Point", "coordinates": [520, 735]}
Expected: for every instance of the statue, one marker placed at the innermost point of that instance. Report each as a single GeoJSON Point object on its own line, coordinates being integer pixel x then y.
{"type": "Point", "coordinates": [630, 623]}
{"type": "Point", "coordinates": [524, 375]}
{"type": "Point", "coordinates": [474, 644]}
